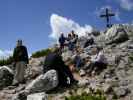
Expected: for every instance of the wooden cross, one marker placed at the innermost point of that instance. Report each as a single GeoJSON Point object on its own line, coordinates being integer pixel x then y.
{"type": "Point", "coordinates": [107, 15]}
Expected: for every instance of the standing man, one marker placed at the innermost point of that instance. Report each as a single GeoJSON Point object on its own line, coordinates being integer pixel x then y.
{"type": "Point", "coordinates": [62, 40]}
{"type": "Point", "coordinates": [20, 57]}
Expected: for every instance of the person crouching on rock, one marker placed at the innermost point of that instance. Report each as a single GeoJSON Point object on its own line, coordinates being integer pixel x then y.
{"type": "Point", "coordinates": [54, 61]}
{"type": "Point", "coordinates": [98, 61]}
{"type": "Point", "coordinates": [20, 57]}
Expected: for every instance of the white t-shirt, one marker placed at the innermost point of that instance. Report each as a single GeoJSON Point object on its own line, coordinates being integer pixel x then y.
{"type": "Point", "coordinates": [99, 58]}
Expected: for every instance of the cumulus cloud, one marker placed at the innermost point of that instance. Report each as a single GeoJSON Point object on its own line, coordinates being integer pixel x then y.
{"type": "Point", "coordinates": [126, 4]}
{"type": "Point", "coordinates": [5, 54]}
{"type": "Point", "coordinates": [117, 15]}
{"type": "Point", "coordinates": [62, 24]}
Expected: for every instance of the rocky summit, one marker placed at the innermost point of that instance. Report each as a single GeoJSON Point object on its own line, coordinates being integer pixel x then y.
{"type": "Point", "coordinates": [116, 81]}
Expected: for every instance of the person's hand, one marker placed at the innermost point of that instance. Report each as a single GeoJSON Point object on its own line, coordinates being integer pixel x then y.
{"type": "Point", "coordinates": [72, 68]}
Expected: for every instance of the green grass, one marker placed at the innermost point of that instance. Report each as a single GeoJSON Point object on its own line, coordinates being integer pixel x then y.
{"type": "Point", "coordinates": [41, 53]}
{"type": "Point", "coordinates": [131, 57]}
{"type": "Point", "coordinates": [7, 61]}
{"type": "Point", "coordinates": [85, 96]}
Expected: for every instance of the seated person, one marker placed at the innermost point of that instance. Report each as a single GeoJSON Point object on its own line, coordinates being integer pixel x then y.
{"type": "Point", "coordinates": [54, 61]}
{"type": "Point", "coordinates": [98, 62]}
{"type": "Point", "coordinates": [79, 62]}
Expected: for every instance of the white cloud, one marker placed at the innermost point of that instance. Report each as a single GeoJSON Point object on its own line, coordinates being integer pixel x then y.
{"type": "Point", "coordinates": [126, 4]}
{"type": "Point", "coordinates": [5, 54]}
{"type": "Point", "coordinates": [62, 24]}
{"type": "Point", "coordinates": [117, 15]}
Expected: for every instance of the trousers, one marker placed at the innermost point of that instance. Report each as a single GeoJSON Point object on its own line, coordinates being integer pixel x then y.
{"type": "Point", "coordinates": [20, 71]}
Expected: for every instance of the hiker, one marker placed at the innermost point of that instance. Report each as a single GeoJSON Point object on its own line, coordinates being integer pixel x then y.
{"type": "Point", "coordinates": [62, 40]}
{"type": "Point", "coordinates": [75, 38]}
{"type": "Point", "coordinates": [54, 61]}
{"type": "Point", "coordinates": [70, 44]}
{"type": "Point", "coordinates": [98, 61]}
{"type": "Point", "coordinates": [72, 41]}
{"type": "Point", "coordinates": [90, 41]}
{"type": "Point", "coordinates": [78, 60]}
{"type": "Point", "coordinates": [20, 57]}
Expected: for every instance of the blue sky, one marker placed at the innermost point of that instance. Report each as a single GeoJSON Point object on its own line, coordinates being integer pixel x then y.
{"type": "Point", "coordinates": [30, 20]}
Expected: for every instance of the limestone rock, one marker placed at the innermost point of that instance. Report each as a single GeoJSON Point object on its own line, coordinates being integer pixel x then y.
{"type": "Point", "coordinates": [67, 55]}
{"type": "Point", "coordinates": [35, 67]}
{"type": "Point", "coordinates": [44, 82]}
{"type": "Point", "coordinates": [82, 41]}
{"type": "Point", "coordinates": [116, 34]}
{"type": "Point", "coordinates": [83, 82]}
{"type": "Point", "coordinates": [6, 76]}
{"type": "Point", "coordinates": [121, 92]}
{"type": "Point", "coordinates": [32, 71]}
{"type": "Point", "coordinates": [20, 96]}
{"type": "Point", "coordinates": [37, 96]}
{"type": "Point", "coordinates": [82, 72]}
{"type": "Point", "coordinates": [107, 88]}
{"type": "Point", "coordinates": [36, 61]}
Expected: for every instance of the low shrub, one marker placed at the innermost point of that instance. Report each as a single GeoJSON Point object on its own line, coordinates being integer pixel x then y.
{"type": "Point", "coordinates": [41, 53]}
{"type": "Point", "coordinates": [7, 61]}
{"type": "Point", "coordinates": [86, 96]}
{"type": "Point", "coordinates": [131, 57]}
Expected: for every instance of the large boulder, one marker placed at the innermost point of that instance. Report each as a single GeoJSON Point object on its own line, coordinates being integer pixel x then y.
{"type": "Point", "coordinates": [32, 71]}
{"type": "Point", "coordinates": [44, 82]}
{"type": "Point", "coordinates": [116, 34]}
{"type": "Point", "coordinates": [129, 30]}
{"type": "Point", "coordinates": [67, 55]}
{"type": "Point", "coordinates": [6, 76]}
{"type": "Point", "coordinates": [121, 92]}
{"type": "Point", "coordinates": [38, 96]}
{"type": "Point", "coordinates": [34, 68]}
{"type": "Point", "coordinates": [20, 96]}
{"type": "Point", "coordinates": [37, 61]}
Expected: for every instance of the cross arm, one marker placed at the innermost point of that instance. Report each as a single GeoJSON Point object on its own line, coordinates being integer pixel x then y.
{"type": "Point", "coordinates": [103, 15]}
{"type": "Point", "coordinates": [112, 14]}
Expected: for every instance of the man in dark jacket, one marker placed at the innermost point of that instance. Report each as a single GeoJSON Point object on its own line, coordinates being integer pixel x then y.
{"type": "Point", "coordinates": [54, 61]}
{"type": "Point", "coordinates": [20, 57]}
{"type": "Point", "coordinates": [62, 40]}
